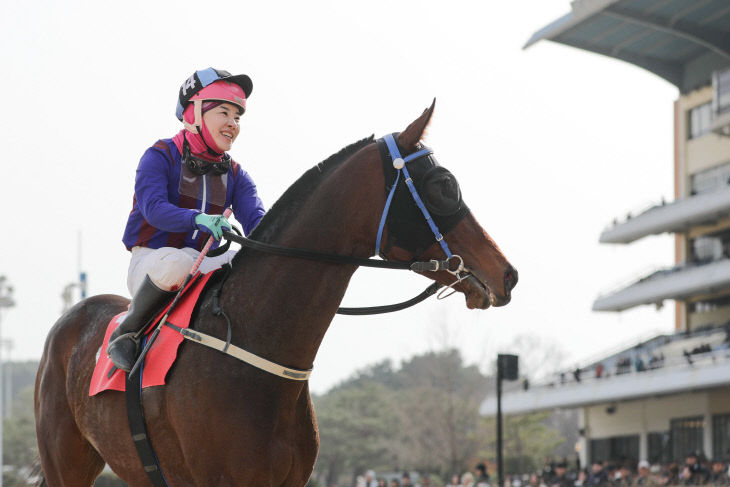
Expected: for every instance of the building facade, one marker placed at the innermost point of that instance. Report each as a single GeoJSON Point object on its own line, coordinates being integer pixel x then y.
{"type": "Point", "coordinates": [668, 396]}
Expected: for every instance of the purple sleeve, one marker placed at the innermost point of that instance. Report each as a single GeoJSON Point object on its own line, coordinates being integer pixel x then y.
{"type": "Point", "coordinates": [150, 189]}
{"type": "Point", "coordinates": [247, 206]}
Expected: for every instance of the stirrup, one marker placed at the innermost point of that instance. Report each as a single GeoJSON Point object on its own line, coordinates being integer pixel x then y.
{"type": "Point", "coordinates": [123, 351]}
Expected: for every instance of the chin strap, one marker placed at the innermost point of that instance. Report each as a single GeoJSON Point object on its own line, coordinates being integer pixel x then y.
{"type": "Point", "coordinates": [197, 126]}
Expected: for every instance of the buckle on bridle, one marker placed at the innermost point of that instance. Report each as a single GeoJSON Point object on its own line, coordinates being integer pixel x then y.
{"type": "Point", "coordinates": [449, 290]}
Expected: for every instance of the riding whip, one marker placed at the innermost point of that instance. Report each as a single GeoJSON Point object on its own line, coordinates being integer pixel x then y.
{"type": "Point", "coordinates": [193, 270]}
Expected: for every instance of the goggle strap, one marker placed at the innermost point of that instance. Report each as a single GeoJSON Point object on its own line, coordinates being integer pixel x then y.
{"type": "Point", "coordinates": [385, 214]}
{"type": "Point", "coordinates": [426, 214]}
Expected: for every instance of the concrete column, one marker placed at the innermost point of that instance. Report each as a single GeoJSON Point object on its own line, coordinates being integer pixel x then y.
{"type": "Point", "coordinates": [643, 434]}
{"type": "Point", "coordinates": [707, 434]}
{"type": "Point", "coordinates": [584, 439]}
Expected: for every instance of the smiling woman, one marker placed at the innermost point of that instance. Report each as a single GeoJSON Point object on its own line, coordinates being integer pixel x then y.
{"type": "Point", "coordinates": [182, 188]}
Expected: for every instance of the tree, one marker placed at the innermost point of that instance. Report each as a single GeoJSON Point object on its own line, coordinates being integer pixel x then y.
{"type": "Point", "coordinates": [440, 411]}
{"type": "Point", "coordinates": [527, 441]}
{"type": "Point", "coordinates": [355, 425]}
{"type": "Point", "coordinates": [19, 442]}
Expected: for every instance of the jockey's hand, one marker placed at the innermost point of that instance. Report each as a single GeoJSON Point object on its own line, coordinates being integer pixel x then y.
{"type": "Point", "coordinates": [212, 224]}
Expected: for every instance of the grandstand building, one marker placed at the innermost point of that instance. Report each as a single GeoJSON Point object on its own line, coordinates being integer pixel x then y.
{"type": "Point", "coordinates": [670, 395]}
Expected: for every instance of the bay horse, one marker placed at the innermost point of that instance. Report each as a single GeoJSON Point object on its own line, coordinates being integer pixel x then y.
{"type": "Point", "coordinates": [221, 422]}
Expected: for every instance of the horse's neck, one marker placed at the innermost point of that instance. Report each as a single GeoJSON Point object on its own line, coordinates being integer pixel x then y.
{"type": "Point", "coordinates": [286, 304]}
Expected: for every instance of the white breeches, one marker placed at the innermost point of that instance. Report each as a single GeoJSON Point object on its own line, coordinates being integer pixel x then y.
{"type": "Point", "coordinates": [167, 266]}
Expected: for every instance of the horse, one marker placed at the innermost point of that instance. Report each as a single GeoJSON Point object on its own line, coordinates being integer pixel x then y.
{"type": "Point", "coordinates": [219, 421]}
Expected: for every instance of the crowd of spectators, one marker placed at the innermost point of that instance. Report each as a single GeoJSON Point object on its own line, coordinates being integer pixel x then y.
{"type": "Point", "coordinates": [478, 478]}
{"type": "Point", "coordinates": [694, 471]}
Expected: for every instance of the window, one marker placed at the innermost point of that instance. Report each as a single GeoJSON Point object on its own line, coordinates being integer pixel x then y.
{"type": "Point", "coordinates": [700, 120]}
{"type": "Point", "coordinates": [720, 435]}
{"type": "Point", "coordinates": [710, 180]}
{"type": "Point", "coordinates": [721, 82]}
{"type": "Point", "coordinates": [687, 436]}
{"type": "Point", "coordinates": [615, 448]}
{"type": "Point", "coordinates": [659, 447]}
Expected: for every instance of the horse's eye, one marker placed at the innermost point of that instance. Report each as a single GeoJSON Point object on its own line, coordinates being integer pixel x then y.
{"type": "Point", "coordinates": [441, 192]}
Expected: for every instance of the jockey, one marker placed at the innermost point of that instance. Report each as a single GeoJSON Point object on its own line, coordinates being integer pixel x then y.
{"type": "Point", "coordinates": [181, 189]}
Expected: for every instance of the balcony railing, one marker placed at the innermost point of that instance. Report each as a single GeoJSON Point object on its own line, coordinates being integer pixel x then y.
{"type": "Point", "coordinates": [677, 216]}
{"type": "Point", "coordinates": [676, 374]}
{"type": "Point", "coordinates": [681, 282]}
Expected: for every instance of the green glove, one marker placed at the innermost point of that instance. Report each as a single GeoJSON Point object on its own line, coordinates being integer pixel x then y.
{"type": "Point", "coordinates": [212, 224]}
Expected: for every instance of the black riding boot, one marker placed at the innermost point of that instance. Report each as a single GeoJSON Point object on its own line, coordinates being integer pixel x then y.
{"type": "Point", "coordinates": [123, 347]}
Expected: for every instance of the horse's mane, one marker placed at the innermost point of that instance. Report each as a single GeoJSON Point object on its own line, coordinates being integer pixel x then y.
{"type": "Point", "coordinates": [294, 197]}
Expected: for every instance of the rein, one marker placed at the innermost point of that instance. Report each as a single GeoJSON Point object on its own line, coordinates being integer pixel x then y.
{"type": "Point", "coordinates": [418, 266]}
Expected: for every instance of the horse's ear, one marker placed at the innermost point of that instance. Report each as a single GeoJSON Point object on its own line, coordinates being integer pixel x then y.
{"type": "Point", "coordinates": [416, 130]}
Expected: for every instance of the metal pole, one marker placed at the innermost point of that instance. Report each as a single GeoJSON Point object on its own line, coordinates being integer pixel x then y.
{"type": "Point", "coordinates": [8, 344]}
{"type": "Point", "coordinates": [500, 471]}
{"type": "Point", "coordinates": [2, 415]}
{"type": "Point", "coordinates": [6, 301]}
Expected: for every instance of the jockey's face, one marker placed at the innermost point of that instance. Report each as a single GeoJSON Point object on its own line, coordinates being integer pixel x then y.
{"type": "Point", "coordinates": [223, 124]}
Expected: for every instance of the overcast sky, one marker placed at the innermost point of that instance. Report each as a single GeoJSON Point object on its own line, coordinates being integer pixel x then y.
{"type": "Point", "coordinates": [549, 145]}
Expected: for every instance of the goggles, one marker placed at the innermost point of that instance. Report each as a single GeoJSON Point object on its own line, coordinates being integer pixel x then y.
{"type": "Point", "coordinates": [201, 167]}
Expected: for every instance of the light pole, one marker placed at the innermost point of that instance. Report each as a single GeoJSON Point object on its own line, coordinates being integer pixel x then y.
{"type": "Point", "coordinates": [6, 301]}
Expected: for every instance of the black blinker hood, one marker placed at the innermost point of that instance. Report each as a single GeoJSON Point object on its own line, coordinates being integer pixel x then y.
{"type": "Point", "coordinates": [407, 227]}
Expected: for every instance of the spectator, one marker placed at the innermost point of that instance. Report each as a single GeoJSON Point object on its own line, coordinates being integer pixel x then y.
{"type": "Point", "coordinates": [370, 479]}
{"type": "Point", "coordinates": [406, 480]}
{"type": "Point", "coordinates": [598, 475]}
{"type": "Point", "coordinates": [482, 478]}
{"type": "Point", "coordinates": [394, 483]}
{"type": "Point", "coordinates": [599, 371]}
{"type": "Point", "coordinates": [643, 479]}
{"type": "Point", "coordinates": [693, 473]}
{"type": "Point", "coordinates": [576, 374]}
{"type": "Point", "coordinates": [718, 474]}
{"type": "Point", "coordinates": [561, 476]}
{"type": "Point", "coordinates": [623, 476]}
{"type": "Point", "coordinates": [382, 482]}
{"type": "Point", "coordinates": [454, 481]}
{"type": "Point", "coordinates": [467, 480]}
{"type": "Point", "coordinates": [581, 479]}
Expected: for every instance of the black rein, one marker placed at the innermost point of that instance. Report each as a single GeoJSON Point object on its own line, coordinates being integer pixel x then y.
{"type": "Point", "coordinates": [418, 266]}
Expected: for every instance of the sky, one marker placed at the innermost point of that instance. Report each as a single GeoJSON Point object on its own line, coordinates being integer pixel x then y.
{"type": "Point", "coordinates": [549, 144]}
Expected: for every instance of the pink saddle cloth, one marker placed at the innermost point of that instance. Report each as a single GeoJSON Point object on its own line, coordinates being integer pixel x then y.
{"type": "Point", "coordinates": [164, 350]}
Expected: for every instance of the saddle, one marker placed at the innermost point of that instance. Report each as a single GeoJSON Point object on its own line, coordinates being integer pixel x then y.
{"type": "Point", "coordinates": [163, 353]}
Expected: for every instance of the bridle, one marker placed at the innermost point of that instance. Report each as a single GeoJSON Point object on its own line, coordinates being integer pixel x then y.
{"type": "Point", "coordinates": [453, 264]}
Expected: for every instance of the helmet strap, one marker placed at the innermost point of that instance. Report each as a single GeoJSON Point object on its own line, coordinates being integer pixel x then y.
{"type": "Point", "coordinates": [197, 126]}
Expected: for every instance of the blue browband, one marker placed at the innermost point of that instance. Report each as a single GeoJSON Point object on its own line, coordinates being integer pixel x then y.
{"type": "Point", "coordinates": [399, 163]}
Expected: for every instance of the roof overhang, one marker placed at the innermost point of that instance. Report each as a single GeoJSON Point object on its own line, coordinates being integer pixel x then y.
{"type": "Point", "coordinates": [678, 283]}
{"type": "Point", "coordinates": [677, 216]}
{"type": "Point", "coordinates": [679, 41]}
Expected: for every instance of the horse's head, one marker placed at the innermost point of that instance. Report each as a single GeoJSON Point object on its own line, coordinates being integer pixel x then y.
{"type": "Point", "coordinates": [487, 277]}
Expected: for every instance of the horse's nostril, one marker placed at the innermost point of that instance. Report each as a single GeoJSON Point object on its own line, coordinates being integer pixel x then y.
{"type": "Point", "coordinates": [510, 279]}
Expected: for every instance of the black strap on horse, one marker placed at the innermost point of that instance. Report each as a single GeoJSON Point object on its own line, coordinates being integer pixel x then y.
{"type": "Point", "coordinates": [418, 266]}
{"type": "Point", "coordinates": [138, 428]}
